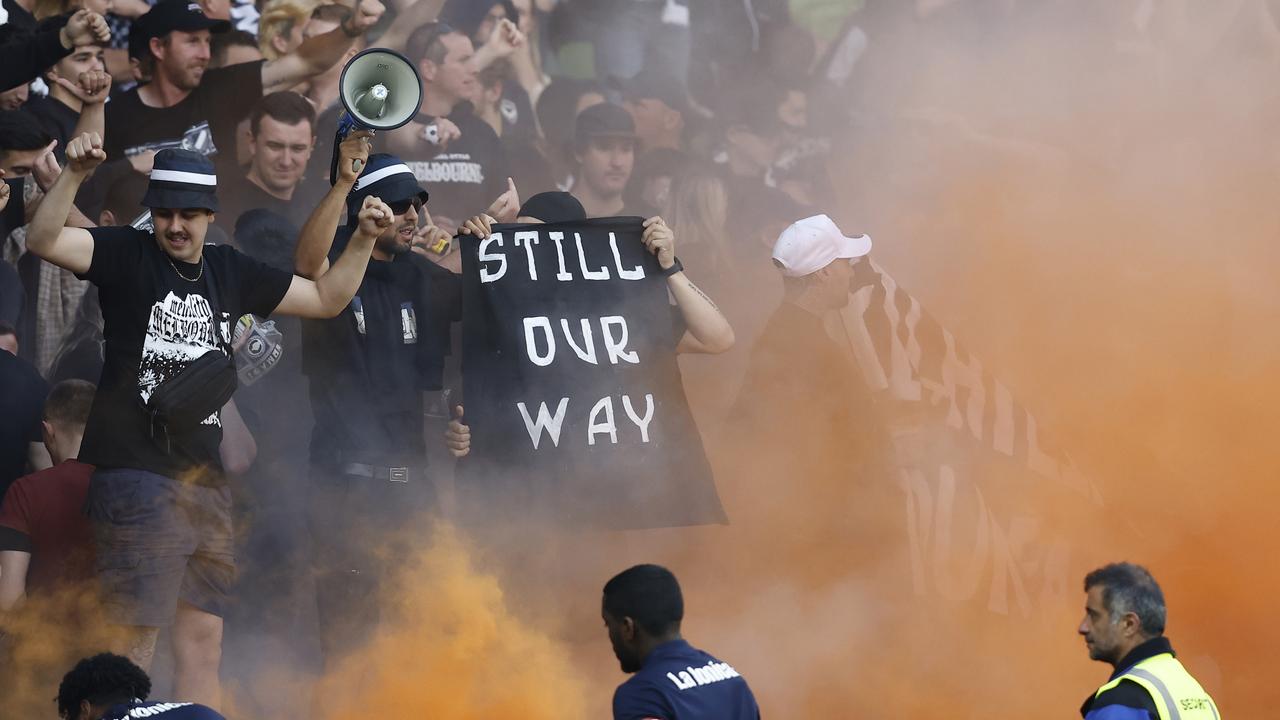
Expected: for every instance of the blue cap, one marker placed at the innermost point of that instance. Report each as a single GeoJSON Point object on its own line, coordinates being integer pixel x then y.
{"type": "Point", "coordinates": [387, 178]}
{"type": "Point", "coordinates": [182, 179]}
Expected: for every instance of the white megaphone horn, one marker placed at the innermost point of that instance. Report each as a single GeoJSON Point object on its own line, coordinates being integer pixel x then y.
{"type": "Point", "coordinates": [380, 90]}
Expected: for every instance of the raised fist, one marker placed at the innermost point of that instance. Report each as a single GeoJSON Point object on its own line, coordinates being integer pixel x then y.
{"type": "Point", "coordinates": [85, 28]}
{"type": "Point", "coordinates": [366, 14]}
{"type": "Point", "coordinates": [90, 87]}
{"type": "Point", "coordinates": [85, 153]}
{"type": "Point", "coordinates": [374, 217]}
{"type": "Point", "coordinates": [505, 38]}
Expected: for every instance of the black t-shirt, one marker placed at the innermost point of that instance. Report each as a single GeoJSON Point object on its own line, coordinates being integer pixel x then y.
{"type": "Point", "coordinates": [57, 119]}
{"type": "Point", "coordinates": [155, 323]}
{"type": "Point", "coordinates": [244, 195]}
{"type": "Point", "coordinates": [796, 370]}
{"type": "Point", "coordinates": [369, 365]}
{"type": "Point", "coordinates": [22, 394]}
{"type": "Point", "coordinates": [469, 175]}
{"type": "Point", "coordinates": [205, 121]}
{"type": "Point", "coordinates": [519, 126]}
{"type": "Point", "coordinates": [316, 180]}
{"type": "Point", "coordinates": [756, 208]}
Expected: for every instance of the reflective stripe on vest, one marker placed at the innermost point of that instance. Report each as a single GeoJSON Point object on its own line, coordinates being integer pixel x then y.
{"type": "Point", "coordinates": [1177, 695]}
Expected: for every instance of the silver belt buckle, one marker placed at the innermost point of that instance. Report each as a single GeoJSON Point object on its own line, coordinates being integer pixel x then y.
{"type": "Point", "coordinates": [399, 474]}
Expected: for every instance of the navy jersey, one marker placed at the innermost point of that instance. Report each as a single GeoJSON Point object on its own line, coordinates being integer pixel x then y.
{"type": "Point", "coordinates": [680, 682]}
{"type": "Point", "coordinates": [162, 710]}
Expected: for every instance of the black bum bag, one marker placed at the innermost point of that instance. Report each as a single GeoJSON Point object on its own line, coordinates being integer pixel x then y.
{"type": "Point", "coordinates": [180, 403]}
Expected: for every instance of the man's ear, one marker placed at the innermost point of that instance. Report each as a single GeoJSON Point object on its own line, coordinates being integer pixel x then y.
{"type": "Point", "coordinates": [86, 711]}
{"type": "Point", "coordinates": [427, 69]}
{"type": "Point", "coordinates": [157, 47]}
{"type": "Point", "coordinates": [629, 629]}
{"type": "Point", "coordinates": [47, 432]}
{"type": "Point", "coordinates": [280, 43]}
{"type": "Point", "coordinates": [106, 218]}
{"type": "Point", "coordinates": [672, 119]}
{"type": "Point", "coordinates": [1132, 624]}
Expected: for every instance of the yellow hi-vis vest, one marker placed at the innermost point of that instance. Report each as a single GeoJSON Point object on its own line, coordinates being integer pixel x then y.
{"type": "Point", "coordinates": [1177, 695]}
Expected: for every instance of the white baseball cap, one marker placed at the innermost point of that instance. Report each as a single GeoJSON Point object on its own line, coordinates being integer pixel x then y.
{"type": "Point", "coordinates": [809, 245]}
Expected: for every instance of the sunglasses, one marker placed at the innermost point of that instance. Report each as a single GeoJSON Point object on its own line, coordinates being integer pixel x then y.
{"type": "Point", "coordinates": [401, 207]}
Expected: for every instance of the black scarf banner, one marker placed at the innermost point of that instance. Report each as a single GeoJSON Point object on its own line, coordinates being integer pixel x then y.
{"type": "Point", "coordinates": [570, 381]}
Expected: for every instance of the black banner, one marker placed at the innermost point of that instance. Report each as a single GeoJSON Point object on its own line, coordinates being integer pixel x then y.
{"type": "Point", "coordinates": [570, 381]}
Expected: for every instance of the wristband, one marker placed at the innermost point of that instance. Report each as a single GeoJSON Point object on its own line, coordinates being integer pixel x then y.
{"type": "Point", "coordinates": [675, 268]}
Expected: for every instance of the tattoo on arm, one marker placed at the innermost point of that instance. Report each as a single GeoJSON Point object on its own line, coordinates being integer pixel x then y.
{"type": "Point", "coordinates": [703, 295]}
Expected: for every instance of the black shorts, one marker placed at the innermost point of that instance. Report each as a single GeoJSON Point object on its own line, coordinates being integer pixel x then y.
{"type": "Point", "coordinates": [160, 540]}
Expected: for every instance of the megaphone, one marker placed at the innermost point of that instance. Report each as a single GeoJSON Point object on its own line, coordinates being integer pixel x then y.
{"type": "Point", "coordinates": [380, 90]}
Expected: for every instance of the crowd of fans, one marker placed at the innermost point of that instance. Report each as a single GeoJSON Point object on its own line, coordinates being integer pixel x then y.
{"type": "Point", "coordinates": [716, 116]}
{"type": "Point", "coordinates": [591, 109]}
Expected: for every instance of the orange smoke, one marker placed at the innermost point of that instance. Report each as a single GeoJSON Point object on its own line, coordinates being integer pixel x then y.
{"type": "Point", "coordinates": [453, 650]}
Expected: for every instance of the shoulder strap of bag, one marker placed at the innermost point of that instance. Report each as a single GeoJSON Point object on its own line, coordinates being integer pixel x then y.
{"type": "Point", "coordinates": [211, 287]}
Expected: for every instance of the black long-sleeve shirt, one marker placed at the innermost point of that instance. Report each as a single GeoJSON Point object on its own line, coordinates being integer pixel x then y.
{"type": "Point", "coordinates": [27, 49]}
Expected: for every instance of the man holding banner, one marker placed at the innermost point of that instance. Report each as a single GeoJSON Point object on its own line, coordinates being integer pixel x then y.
{"type": "Point", "coordinates": [570, 375]}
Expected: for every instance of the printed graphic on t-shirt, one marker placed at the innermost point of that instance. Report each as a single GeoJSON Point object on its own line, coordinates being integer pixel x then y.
{"type": "Point", "coordinates": [178, 332]}
{"type": "Point", "coordinates": [408, 324]}
{"type": "Point", "coordinates": [198, 138]}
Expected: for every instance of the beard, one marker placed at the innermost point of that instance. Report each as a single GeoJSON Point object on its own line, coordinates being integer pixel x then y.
{"type": "Point", "coordinates": [394, 244]}
{"type": "Point", "coordinates": [190, 76]}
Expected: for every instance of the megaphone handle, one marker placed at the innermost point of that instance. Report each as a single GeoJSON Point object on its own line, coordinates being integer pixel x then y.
{"type": "Point", "coordinates": [345, 125]}
{"type": "Point", "coordinates": [338, 137]}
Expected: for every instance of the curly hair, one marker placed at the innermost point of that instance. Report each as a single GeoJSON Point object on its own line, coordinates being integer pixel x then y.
{"type": "Point", "coordinates": [103, 680]}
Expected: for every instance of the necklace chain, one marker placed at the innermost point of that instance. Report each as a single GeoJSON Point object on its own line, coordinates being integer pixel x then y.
{"type": "Point", "coordinates": [184, 277]}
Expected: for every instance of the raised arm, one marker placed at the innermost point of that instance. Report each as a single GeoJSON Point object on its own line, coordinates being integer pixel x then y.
{"type": "Point", "coordinates": [321, 52]}
{"type": "Point", "coordinates": [23, 58]}
{"type": "Point", "coordinates": [311, 256]}
{"type": "Point", "coordinates": [47, 235]}
{"type": "Point", "coordinates": [415, 16]}
{"type": "Point", "coordinates": [328, 294]}
{"type": "Point", "coordinates": [708, 330]}
{"type": "Point", "coordinates": [91, 88]}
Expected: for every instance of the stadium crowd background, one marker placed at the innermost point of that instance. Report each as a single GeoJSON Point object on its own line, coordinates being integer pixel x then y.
{"type": "Point", "coordinates": [1014, 151]}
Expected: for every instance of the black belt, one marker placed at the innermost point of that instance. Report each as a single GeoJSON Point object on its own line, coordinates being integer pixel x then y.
{"type": "Point", "coordinates": [378, 472]}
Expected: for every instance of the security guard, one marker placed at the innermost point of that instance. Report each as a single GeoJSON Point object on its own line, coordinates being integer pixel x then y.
{"type": "Point", "coordinates": [1124, 625]}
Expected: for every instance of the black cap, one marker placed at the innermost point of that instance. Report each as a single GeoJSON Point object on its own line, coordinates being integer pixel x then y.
{"type": "Point", "coordinates": [182, 179]}
{"type": "Point", "coordinates": [603, 120]}
{"type": "Point", "coordinates": [656, 85]}
{"type": "Point", "coordinates": [386, 177]}
{"type": "Point", "coordinates": [553, 207]}
{"type": "Point", "coordinates": [166, 16]}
